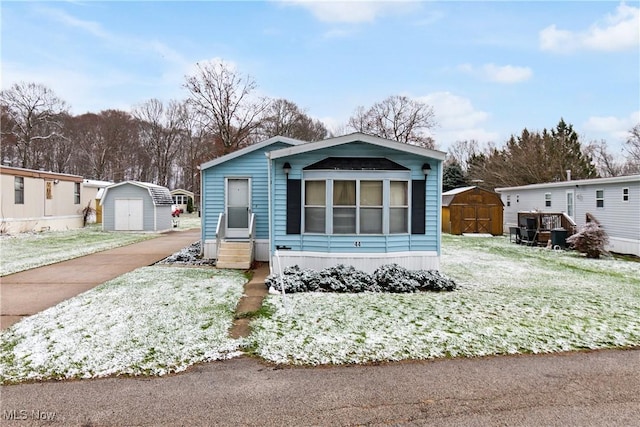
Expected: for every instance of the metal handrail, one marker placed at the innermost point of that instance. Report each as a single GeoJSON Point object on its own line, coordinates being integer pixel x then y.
{"type": "Point", "coordinates": [220, 230]}
{"type": "Point", "coordinates": [252, 227]}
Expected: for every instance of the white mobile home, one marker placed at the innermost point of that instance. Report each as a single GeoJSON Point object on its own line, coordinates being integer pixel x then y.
{"type": "Point", "coordinates": [33, 200]}
{"type": "Point", "coordinates": [614, 202]}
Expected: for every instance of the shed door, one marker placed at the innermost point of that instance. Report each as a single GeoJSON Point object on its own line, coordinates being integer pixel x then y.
{"type": "Point", "coordinates": [238, 208]}
{"type": "Point", "coordinates": [476, 219]}
{"type": "Point", "coordinates": [128, 215]}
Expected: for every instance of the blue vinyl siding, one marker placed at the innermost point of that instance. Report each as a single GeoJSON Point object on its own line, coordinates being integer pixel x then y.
{"type": "Point", "coordinates": [357, 243]}
{"type": "Point", "coordinates": [252, 165]}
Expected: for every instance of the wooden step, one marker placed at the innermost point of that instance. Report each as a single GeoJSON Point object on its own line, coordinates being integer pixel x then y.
{"type": "Point", "coordinates": [234, 255]}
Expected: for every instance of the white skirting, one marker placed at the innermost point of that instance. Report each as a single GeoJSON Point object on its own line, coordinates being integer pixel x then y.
{"type": "Point", "coordinates": [427, 260]}
{"type": "Point", "coordinates": [44, 223]}
{"type": "Point", "coordinates": [620, 245]}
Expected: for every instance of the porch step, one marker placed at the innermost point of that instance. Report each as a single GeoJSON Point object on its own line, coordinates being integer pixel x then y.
{"type": "Point", "coordinates": [234, 255]}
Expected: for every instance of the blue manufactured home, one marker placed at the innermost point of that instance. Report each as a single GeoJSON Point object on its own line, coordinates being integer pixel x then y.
{"type": "Point", "coordinates": [356, 199]}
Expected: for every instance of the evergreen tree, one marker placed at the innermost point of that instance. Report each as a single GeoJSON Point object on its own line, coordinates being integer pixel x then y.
{"type": "Point", "coordinates": [453, 177]}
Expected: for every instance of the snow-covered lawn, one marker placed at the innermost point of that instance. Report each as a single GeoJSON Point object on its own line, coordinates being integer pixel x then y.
{"type": "Point", "coordinates": [511, 299]}
{"type": "Point", "coordinates": [29, 250]}
{"type": "Point", "coordinates": [152, 321]}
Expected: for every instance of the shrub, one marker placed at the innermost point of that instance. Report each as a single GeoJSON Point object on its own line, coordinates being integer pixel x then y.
{"type": "Point", "coordinates": [189, 205]}
{"type": "Point", "coordinates": [590, 240]}
{"type": "Point", "coordinates": [341, 278]}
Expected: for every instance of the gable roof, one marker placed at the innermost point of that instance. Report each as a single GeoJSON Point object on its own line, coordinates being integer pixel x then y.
{"type": "Point", "coordinates": [449, 196]}
{"type": "Point", "coordinates": [356, 137]}
{"type": "Point", "coordinates": [159, 194]}
{"type": "Point", "coordinates": [181, 191]}
{"type": "Point", "coordinates": [575, 182]}
{"type": "Point", "coordinates": [250, 148]}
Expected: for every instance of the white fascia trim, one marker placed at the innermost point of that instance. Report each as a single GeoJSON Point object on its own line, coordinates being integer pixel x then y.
{"type": "Point", "coordinates": [573, 183]}
{"type": "Point", "coordinates": [250, 148]}
{"type": "Point", "coordinates": [357, 137]}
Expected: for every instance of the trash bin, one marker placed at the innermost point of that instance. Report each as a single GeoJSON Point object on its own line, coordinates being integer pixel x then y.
{"type": "Point", "coordinates": [559, 238]}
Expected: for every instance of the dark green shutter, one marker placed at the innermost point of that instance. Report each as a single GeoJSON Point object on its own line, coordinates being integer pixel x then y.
{"type": "Point", "coordinates": [294, 205]}
{"type": "Point", "coordinates": [418, 208]}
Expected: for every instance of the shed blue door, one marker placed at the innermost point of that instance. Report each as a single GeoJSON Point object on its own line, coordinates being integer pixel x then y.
{"type": "Point", "coordinates": [238, 207]}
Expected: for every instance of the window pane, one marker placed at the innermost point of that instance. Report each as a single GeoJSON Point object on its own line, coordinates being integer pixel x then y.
{"type": "Point", "coordinates": [344, 193]}
{"type": "Point", "coordinates": [399, 196]}
{"type": "Point", "coordinates": [371, 220]}
{"type": "Point", "coordinates": [314, 220]}
{"type": "Point", "coordinates": [371, 193]}
{"type": "Point", "coordinates": [344, 220]}
{"type": "Point", "coordinates": [314, 193]}
{"type": "Point", "coordinates": [398, 220]}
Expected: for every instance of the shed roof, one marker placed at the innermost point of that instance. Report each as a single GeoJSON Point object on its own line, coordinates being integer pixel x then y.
{"type": "Point", "coordinates": [449, 196]}
{"type": "Point", "coordinates": [159, 194]}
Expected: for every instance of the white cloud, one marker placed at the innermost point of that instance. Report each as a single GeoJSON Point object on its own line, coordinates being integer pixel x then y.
{"type": "Point", "coordinates": [507, 74]}
{"type": "Point", "coordinates": [352, 11]}
{"type": "Point", "coordinates": [613, 129]}
{"type": "Point", "coordinates": [620, 31]}
{"type": "Point", "coordinates": [457, 119]}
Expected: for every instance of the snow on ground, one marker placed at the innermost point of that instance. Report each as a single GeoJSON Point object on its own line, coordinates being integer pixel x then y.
{"type": "Point", "coordinates": [29, 250]}
{"type": "Point", "coordinates": [152, 321]}
{"type": "Point", "coordinates": [512, 299]}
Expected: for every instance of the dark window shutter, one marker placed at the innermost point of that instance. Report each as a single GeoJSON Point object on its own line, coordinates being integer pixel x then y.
{"type": "Point", "coordinates": [294, 205]}
{"type": "Point", "coordinates": [418, 208]}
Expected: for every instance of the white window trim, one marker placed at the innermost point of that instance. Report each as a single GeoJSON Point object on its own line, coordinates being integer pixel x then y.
{"type": "Point", "coordinates": [547, 200]}
{"type": "Point", "coordinates": [599, 198]}
{"type": "Point", "coordinates": [330, 176]}
{"type": "Point", "coordinates": [625, 195]}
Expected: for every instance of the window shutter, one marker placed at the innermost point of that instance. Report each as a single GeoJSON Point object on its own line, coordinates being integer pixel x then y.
{"type": "Point", "coordinates": [294, 205]}
{"type": "Point", "coordinates": [418, 210]}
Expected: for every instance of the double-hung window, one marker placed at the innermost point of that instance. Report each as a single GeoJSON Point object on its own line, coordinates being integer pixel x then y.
{"type": "Point", "coordinates": [371, 207]}
{"type": "Point", "coordinates": [18, 188]}
{"type": "Point", "coordinates": [547, 200]}
{"type": "Point", "coordinates": [315, 195]}
{"type": "Point", "coordinates": [398, 207]}
{"type": "Point", "coordinates": [76, 193]}
{"type": "Point", "coordinates": [599, 198]}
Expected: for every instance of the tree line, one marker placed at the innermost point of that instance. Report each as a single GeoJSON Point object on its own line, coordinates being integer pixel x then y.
{"type": "Point", "coordinates": [165, 142]}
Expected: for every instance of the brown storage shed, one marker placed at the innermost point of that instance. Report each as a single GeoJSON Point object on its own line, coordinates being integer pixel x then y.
{"type": "Point", "coordinates": [472, 210]}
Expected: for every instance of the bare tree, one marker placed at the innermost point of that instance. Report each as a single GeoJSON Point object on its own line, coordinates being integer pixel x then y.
{"type": "Point", "coordinates": [398, 118]}
{"type": "Point", "coordinates": [605, 163]}
{"type": "Point", "coordinates": [461, 152]}
{"type": "Point", "coordinates": [162, 132]}
{"type": "Point", "coordinates": [284, 118]}
{"type": "Point", "coordinates": [35, 118]}
{"type": "Point", "coordinates": [225, 99]}
{"type": "Point", "coordinates": [633, 150]}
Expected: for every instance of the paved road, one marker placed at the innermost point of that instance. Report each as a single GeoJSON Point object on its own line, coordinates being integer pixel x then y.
{"type": "Point", "coordinates": [600, 388]}
{"type": "Point", "coordinates": [29, 292]}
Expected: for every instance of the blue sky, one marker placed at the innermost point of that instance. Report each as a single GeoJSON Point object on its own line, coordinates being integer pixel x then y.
{"type": "Point", "coordinates": [489, 69]}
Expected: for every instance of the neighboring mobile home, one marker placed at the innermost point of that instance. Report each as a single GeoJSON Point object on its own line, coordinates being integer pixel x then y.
{"type": "Point", "coordinates": [356, 199]}
{"type": "Point", "coordinates": [471, 210]}
{"type": "Point", "coordinates": [181, 198]}
{"type": "Point", "coordinates": [136, 206]}
{"type": "Point", "coordinates": [33, 200]}
{"type": "Point", "coordinates": [91, 194]}
{"type": "Point", "coordinates": [614, 202]}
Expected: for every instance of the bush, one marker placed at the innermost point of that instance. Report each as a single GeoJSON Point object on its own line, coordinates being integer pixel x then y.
{"type": "Point", "coordinates": [590, 240]}
{"type": "Point", "coordinates": [341, 278]}
{"type": "Point", "coordinates": [189, 205]}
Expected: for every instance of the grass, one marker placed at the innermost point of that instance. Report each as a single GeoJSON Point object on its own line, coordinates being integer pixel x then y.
{"type": "Point", "coordinates": [153, 321]}
{"type": "Point", "coordinates": [511, 299]}
{"type": "Point", "coordinates": [30, 250]}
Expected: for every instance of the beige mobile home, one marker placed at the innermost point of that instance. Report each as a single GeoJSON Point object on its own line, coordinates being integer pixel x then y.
{"type": "Point", "coordinates": [34, 200]}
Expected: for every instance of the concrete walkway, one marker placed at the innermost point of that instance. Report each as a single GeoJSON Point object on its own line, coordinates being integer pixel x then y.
{"type": "Point", "coordinates": [29, 292]}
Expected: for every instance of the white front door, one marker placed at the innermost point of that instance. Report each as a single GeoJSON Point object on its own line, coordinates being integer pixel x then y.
{"type": "Point", "coordinates": [128, 215]}
{"type": "Point", "coordinates": [570, 204]}
{"type": "Point", "coordinates": [238, 207]}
